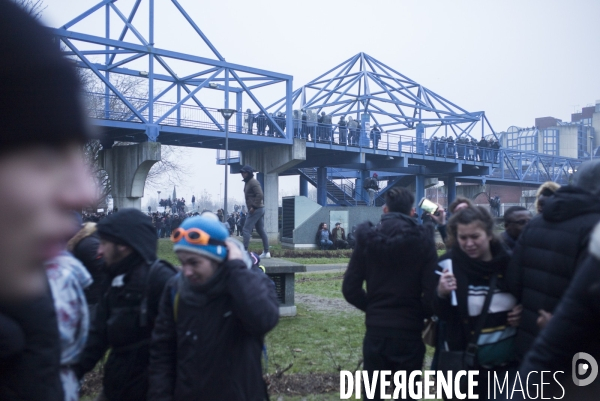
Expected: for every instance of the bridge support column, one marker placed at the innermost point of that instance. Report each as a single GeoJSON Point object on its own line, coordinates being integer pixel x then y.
{"type": "Point", "coordinates": [451, 185]}
{"type": "Point", "coordinates": [127, 168]}
{"type": "Point", "coordinates": [419, 192]}
{"type": "Point", "coordinates": [270, 161]}
{"type": "Point", "coordinates": [322, 186]}
{"type": "Point", "coordinates": [303, 186]}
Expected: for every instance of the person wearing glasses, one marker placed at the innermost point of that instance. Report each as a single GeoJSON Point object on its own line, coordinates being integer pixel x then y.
{"type": "Point", "coordinates": [213, 318]}
{"type": "Point", "coordinates": [515, 220]}
{"type": "Point", "coordinates": [127, 311]}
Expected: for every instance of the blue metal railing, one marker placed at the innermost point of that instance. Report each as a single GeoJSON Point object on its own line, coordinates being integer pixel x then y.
{"type": "Point", "coordinates": [507, 164]}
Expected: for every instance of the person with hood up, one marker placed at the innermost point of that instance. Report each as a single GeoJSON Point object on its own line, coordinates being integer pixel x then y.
{"type": "Point", "coordinates": [550, 250]}
{"type": "Point", "coordinates": [212, 321]}
{"type": "Point", "coordinates": [126, 314]}
{"type": "Point", "coordinates": [573, 330]}
{"type": "Point", "coordinates": [397, 260]}
{"type": "Point", "coordinates": [256, 210]}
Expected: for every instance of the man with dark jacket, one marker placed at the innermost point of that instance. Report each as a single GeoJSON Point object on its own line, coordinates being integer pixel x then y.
{"type": "Point", "coordinates": [42, 179]}
{"type": "Point", "coordinates": [551, 248]}
{"type": "Point", "coordinates": [515, 220]}
{"type": "Point", "coordinates": [574, 328]}
{"type": "Point", "coordinates": [397, 259]}
{"type": "Point", "coordinates": [338, 234]}
{"type": "Point", "coordinates": [125, 317]}
{"type": "Point", "coordinates": [213, 318]}
{"type": "Point", "coordinates": [256, 210]}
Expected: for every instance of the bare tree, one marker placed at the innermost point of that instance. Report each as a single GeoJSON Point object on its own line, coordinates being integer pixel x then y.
{"type": "Point", "coordinates": [33, 7]}
{"type": "Point", "coordinates": [167, 171]}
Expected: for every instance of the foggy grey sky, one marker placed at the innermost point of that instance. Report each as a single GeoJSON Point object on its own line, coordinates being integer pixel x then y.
{"type": "Point", "coordinates": [514, 59]}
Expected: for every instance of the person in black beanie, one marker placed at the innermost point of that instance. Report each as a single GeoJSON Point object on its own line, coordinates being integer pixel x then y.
{"type": "Point", "coordinates": [42, 179]}
{"type": "Point", "coordinates": [125, 316]}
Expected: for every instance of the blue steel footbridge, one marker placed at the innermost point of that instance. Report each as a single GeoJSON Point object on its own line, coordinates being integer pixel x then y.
{"type": "Point", "coordinates": [359, 117]}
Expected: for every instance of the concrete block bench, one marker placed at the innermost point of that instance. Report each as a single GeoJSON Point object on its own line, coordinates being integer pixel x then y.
{"type": "Point", "coordinates": [283, 273]}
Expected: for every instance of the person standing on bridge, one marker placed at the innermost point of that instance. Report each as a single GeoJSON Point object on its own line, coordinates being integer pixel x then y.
{"type": "Point", "coordinates": [375, 136]}
{"type": "Point", "coordinates": [372, 186]}
{"type": "Point", "coordinates": [343, 131]}
{"type": "Point", "coordinates": [256, 210]}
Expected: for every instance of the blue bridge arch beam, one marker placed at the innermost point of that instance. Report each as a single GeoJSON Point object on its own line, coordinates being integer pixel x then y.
{"type": "Point", "coordinates": [130, 51]}
{"type": "Point", "coordinates": [364, 85]}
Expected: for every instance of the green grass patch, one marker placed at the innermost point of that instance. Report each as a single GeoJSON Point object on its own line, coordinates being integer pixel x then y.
{"type": "Point", "coordinates": [326, 285]}
{"type": "Point", "coordinates": [316, 342]}
{"type": "Point", "coordinates": [165, 251]}
{"type": "Point", "coordinates": [319, 261]}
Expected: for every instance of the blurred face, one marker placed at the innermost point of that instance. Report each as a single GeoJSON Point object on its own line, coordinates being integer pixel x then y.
{"type": "Point", "coordinates": [196, 268]}
{"type": "Point", "coordinates": [111, 252]}
{"type": "Point", "coordinates": [244, 175]}
{"type": "Point", "coordinates": [324, 226]}
{"type": "Point", "coordinates": [40, 188]}
{"type": "Point", "coordinates": [516, 223]}
{"type": "Point", "coordinates": [474, 241]}
{"type": "Point", "coordinates": [460, 206]}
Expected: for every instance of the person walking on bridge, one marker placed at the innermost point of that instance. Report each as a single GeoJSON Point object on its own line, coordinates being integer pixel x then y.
{"type": "Point", "coordinates": [256, 210]}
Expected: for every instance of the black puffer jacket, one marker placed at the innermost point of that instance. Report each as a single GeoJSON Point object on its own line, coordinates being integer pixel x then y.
{"type": "Point", "coordinates": [120, 322]}
{"type": "Point", "coordinates": [120, 327]}
{"type": "Point", "coordinates": [30, 351]}
{"type": "Point", "coordinates": [574, 328]}
{"type": "Point", "coordinates": [209, 346]}
{"type": "Point", "coordinates": [547, 255]}
{"type": "Point", "coordinates": [397, 259]}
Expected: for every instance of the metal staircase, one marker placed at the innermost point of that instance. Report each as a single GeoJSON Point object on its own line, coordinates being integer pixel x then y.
{"type": "Point", "coordinates": [343, 194]}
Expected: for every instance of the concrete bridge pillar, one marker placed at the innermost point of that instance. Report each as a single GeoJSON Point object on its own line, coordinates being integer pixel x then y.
{"type": "Point", "coordinates": [303, 186]}
{"type": "Point", "coordinates": [127, 168]}
{"type": "Point", "coordinates": [419, 192]}
{"type": "Point", "coordinates": [270, 161]}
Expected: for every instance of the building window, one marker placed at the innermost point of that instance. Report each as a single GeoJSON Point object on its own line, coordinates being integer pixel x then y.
{"type": "Point", "coordinates": [550, 144]}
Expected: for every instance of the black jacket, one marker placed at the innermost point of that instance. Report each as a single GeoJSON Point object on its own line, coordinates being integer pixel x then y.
{"type": "Point", "coordinates": [397, 259]}
{"type": "Point", "coordinates": [30, 351]}
{"type": "Point", "coordinates": [547, 255]}
{"type": "Point", "coordinates": [573, 328]}
{"type": "Point", "coordinates": [120, 326]}
{"type": "Point", "coordinates": [210, 348]}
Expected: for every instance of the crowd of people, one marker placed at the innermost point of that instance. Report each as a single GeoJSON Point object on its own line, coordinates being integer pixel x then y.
{"type": "Point", "coordinates": [465, 149]}
{"type": "Point", "coordinates": [510, 305]}
{"type": "Point", "coordinates": [175, 205]}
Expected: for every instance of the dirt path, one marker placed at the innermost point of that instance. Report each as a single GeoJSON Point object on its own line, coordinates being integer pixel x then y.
{"type": "Point", "coordinates": [320, 304]}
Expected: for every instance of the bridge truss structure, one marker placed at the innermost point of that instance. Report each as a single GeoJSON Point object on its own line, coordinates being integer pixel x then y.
{"type": "Point", "coordinates": [182, 91]}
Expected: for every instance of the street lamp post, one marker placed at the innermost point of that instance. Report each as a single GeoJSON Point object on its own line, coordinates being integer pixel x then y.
{"type": "Point", "coordinates": [158, 201]}
{"type": "Point", "coordinates": [227, 114]}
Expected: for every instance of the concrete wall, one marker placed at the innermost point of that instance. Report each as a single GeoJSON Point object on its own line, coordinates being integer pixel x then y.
{"type": "Point", "coordinates": [304, 234]}
{"type": "Point", "coordinates": [568, 141]}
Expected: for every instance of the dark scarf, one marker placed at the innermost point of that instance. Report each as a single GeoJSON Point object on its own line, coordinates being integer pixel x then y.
{"type": "Point", "coordinates": [125, 266]}
{"type": "Point", "coordinates": [479, 269]}
{"type": "Point", "coordinates": [199, 295]}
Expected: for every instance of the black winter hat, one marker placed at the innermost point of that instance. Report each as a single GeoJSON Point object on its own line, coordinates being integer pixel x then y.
{"type": "Point", "coordinates": [132, 228]}
{"type": "Point", "coordinates": [247, 169]}
{"type": "Point", "coordinates": [40, 96]}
